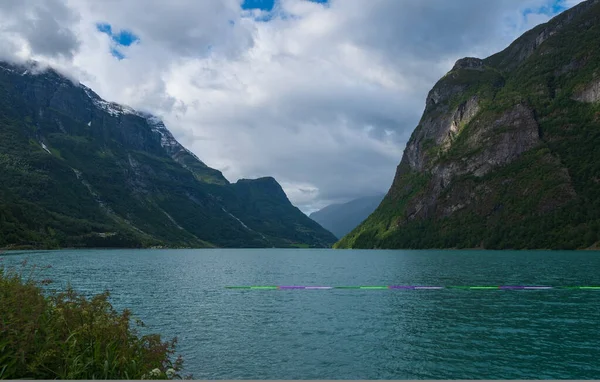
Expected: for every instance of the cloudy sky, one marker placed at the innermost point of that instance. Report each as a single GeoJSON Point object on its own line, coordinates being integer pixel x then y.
{"type": "Point", "coordinates": [322, 95]}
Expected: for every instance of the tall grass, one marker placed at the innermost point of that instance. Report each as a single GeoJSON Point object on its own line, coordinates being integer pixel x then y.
{"type": "Point", "coordinates": [64, 335]}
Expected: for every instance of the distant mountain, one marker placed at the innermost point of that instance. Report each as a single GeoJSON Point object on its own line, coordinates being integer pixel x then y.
{"type": "Point", "coordinates": [507, 153]}
{"type": "Point", "coordinates": [78, 171]}
{"type": "Point", "coordinates": [340, 219]}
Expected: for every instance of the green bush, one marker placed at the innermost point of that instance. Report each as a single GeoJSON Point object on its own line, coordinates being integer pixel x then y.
{"type": "Point", "coordinates": [64, 335]}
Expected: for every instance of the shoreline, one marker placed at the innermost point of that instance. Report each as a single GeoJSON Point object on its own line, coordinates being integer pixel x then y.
{"type": "Point", "coordinates": [9, 250]}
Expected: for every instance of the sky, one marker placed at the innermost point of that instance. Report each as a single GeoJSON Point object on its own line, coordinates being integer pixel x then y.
{"type": "Point", "coordinates": [322, 95]}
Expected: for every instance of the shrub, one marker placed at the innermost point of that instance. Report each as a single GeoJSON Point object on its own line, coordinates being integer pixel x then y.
{"type": "Point", "coordinates": [64, 335]}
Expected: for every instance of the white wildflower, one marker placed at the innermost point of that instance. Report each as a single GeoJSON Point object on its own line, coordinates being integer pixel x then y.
{"type": "Point", "coordinates": [170, 373]}
{"type": "Point", "coordinates": [155, 373]}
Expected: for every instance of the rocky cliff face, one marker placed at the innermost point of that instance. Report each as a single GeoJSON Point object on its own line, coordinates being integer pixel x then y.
{"type": "Point", "coordinates": [505, 145]}
{"type": "Point", "coordinates": [590, 93]}
{"type": "Point", "coordinates": [76, 170]}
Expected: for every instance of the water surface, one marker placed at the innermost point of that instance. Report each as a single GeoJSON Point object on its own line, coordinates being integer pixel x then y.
{"type": "Point", "coordinates": [354, 334]}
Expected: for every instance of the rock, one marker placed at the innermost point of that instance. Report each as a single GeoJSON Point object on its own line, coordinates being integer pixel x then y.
{"type": "Point", "coordinates": [590, 93]}
{"type": "Point", "coordinates": [438, 130]}
{"type": "Point", "coordinates": [513, 133]}
{"type": "Point", "coordinates": [469, 63]}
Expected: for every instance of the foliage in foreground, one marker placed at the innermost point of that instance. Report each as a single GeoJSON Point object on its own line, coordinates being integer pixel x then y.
{"type": "Point", "coordinates": [64, 335]}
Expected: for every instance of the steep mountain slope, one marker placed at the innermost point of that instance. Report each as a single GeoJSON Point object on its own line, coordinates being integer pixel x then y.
{"type": "Point", "coordinates": [507, 153]}
{"type": "Point", "coordinates": [340, 219]}
{"type": "Point", "coordinates": [76, 170]}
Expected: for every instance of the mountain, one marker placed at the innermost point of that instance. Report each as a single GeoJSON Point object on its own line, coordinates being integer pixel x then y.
{"type": "Point", "coordinates": [340, 219]}
{"type": "Point", "coordinates": [507, 152]}
{"type": "Point", "coordinates": [78, 171]}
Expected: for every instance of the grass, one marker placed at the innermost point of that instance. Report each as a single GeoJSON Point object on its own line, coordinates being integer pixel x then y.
{"type": "Point", "coordinates": [64, 335]}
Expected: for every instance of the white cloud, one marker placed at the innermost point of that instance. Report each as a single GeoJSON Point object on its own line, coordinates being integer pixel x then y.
{"type": "Point", "coordinates": [323, 98]}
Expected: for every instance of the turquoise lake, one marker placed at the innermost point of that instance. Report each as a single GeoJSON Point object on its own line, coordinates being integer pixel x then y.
{"type": "Point", "coordinates": [353, 334]}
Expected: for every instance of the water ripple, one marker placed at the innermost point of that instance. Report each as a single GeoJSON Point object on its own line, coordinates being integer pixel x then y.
{"type": "Point", "coordinates": [356, 334]}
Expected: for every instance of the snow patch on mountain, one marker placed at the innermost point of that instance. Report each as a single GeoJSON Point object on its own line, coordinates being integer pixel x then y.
{"type": "Point", "coordinates": [7, 69]}
{"type": "Point", "coordinates": [157, 125]}
{"type": "Point", "coordinates": [167, 140]}
{"type": "Point", "coordinates": [45, 148]}
{"type": "Point", "coordinates": [111, 108]}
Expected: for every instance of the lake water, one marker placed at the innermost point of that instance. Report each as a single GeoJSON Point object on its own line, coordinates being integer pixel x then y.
{"type": "Point", "coordinates": [354, 334]}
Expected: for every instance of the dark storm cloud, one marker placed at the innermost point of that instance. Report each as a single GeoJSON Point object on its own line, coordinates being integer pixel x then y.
{"type": "Point", "coordinates": [45, 26]}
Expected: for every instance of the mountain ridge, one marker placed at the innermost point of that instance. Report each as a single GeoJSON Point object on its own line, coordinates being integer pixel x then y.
{"type": "Point", "coordinates": [79, 171]}
{"type": "Point", "coordinates": [341, 218]}
{"type": "Point", "coordinates": [505, 154]}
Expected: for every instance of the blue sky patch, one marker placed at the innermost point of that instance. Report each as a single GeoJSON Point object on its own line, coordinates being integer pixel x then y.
{"type": "Point", "coordinates": [268, 5]}
{"type": "Point", "coordinates": [104, 28]}
{"type": "Point", "coordinates": [269, 10]}
{"type": "Point", "coordinates": [556, 7]}
{"type": "Point", "coordinates": [264, 5]}
{"type": "Point", "coordinates": [125, 38]}
{"type": "Point", "coordinates": [122, 38]}
{"type": "Point", "coordinates": [118, 55]}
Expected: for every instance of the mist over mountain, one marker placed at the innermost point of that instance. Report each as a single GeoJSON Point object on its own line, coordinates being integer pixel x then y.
{"type": "Point", "coordinates": [341, 218]}
{"type": "Point", "coordinates": [79, 171]}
